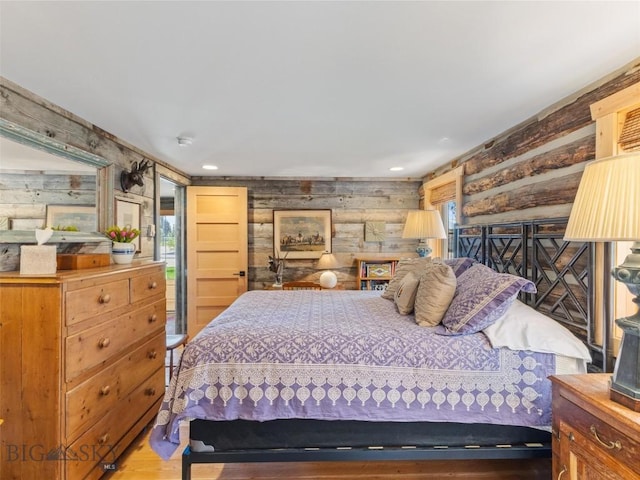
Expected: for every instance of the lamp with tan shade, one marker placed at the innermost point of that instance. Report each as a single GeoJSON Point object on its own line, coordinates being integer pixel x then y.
{"type": "Point", "coordinates": [607, 209]}
{"type": "Point", "coordinates": [424, 224]}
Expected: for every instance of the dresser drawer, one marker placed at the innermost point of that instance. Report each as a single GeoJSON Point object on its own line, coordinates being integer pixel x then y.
{"type": "Point", "coordinates": [90, 400]}
{"type": "Point", "coordinates": [95, 446]}
{"type": "Point", "coordinates": [151, 317]}
{"type": "Point", "coordinates": [595, 435]}
{"type": "Point", "coordinates": [148, 285]}
{"type": "Point", "coordinates": [92, 301]}
{"type": "Point", "coordinates": [99, 344]}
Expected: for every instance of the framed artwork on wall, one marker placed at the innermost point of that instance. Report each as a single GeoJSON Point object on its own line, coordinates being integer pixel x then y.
{"type": "Point", "coordinates": [128, 214]}
{"type": "Point", "coordinates": [301, 233]}
{"type": "Point", "coordinates": [81, 217]}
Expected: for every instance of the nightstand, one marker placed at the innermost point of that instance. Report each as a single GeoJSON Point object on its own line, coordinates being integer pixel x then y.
{"type": "Point", "coordinates": [593, 437]}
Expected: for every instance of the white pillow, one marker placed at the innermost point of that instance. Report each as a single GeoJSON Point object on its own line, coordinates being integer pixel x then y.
{"type": "Point", "coordinates": [523, 328]}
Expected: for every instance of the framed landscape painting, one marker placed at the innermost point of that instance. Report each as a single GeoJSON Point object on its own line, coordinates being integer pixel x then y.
{"type": "Point", "coordinates": [301, 233]}
{"type": "Point", "coordinates": [82, 218]}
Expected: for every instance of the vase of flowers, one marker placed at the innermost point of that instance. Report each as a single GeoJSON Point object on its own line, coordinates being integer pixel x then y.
{"type": "Point", "coordinates": [122, 250]}
{"type": "Point", "coordinates": [276, 265]}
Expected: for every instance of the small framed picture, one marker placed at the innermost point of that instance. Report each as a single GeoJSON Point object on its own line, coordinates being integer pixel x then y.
{"type": "Point", "coordinates": [82, 218]}
{"type": "Point", "coordinates": [128, 214]}
{"type": "Point", "coordinates": [301, 233]}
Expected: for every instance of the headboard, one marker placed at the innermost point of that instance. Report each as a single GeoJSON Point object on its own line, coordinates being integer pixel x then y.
{"type": "Point", "coordinates": [563, 273]}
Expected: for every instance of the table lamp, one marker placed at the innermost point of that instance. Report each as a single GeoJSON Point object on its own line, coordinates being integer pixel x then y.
{"type": "Point", "coordinates": [423, 224]}
{"type": "Point", "coordinates": [607, 209]}
{"type": "Point", "coordinates": [327, 262]}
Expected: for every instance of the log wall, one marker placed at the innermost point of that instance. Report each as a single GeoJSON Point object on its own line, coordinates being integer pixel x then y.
{"type": "Point", "coordinates": [353, 202]}
{"type": "Point", "coordinates": [533, 170]}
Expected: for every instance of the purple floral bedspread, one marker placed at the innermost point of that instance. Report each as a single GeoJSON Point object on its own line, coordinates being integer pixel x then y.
{"type": "Point", "coordinates": [346, 355]}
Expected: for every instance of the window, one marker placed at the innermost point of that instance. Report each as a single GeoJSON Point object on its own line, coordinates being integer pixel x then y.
{"type": "Point", "coordinates": [448, 211]}
{"type": "Point", "coordinates": [444, 193]}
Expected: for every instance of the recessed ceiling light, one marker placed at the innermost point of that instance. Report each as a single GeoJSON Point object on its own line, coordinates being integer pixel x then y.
{"type": "Point", "coordinates": [209, 167]}
{"type": "Point", "coordinates": [396, 169]}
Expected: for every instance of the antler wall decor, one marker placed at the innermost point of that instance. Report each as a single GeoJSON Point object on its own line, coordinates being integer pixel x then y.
{"type": "Point", "coordinates": [135, 176]}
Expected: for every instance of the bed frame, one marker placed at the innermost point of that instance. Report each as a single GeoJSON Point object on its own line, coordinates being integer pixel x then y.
{"type": "Point", "coordinates": [562, 272]}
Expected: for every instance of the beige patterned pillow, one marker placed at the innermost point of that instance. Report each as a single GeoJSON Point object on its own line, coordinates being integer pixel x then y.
{"type": "Point", "coordinates": [405, 295]}
{"type": "Point", "coordinates": [436, 289]}
{"type": "Point", "coordinates": [404, 266]}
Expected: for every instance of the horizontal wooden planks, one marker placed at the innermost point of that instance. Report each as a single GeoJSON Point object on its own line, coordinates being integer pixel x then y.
{"type": "Point", "coordinates": [353, 202]}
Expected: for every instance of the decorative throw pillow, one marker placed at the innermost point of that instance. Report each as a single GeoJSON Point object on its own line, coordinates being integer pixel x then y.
{"type": "Point", "coordinates": [435, 291]}
{"type": "Point", "coordinates": [404, 266]}
{"type": "Point", "coordinates": [460, 265]}
{"type": "Point", "coordinates": [405, 295]}
{"type": "Point", "coordinates": [482, 296]}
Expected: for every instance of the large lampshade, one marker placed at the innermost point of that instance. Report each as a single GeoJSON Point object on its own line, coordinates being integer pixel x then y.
{"type": "Point", "coordinates": [607, 205]}
{"type": "Point", "coordinates": [423, 224]}
{"type": "Point", "coordinates": [607, 209]}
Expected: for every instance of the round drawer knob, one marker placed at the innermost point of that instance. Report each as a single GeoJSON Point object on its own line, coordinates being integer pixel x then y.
{"type": "Point", "coordinates": [103, 439]}
{"type": "Point", "coordinates": [153, 285]}
{"type": "Point", "coordinates": [104, 391]}
{"type": "Point", "coordinates": [152, 354]}
{"type": "Point", "coordinates": [153, 318]}
{"type": "Point", "coordinates": [150, 391]}
{"type": "Point", "coordinates": [105, 298]}
{"type": "Point", "coordinates": [104, 342]}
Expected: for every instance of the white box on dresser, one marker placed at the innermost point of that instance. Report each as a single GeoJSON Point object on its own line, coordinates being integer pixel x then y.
{"type": "Point", "coordinates": [82, 368]}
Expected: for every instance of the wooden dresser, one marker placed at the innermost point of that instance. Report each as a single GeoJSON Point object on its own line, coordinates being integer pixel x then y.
{"type": "Point", "coordinates": [593, 437]}
{"type": "Point", "coordinates": [82, 367]}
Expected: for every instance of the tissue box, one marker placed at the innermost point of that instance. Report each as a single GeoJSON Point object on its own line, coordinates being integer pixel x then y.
{"type": "Point", "coordinates": [37, 259]}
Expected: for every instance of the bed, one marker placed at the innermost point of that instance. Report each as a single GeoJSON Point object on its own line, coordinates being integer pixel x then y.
{"type": "Point", "coordinates": [339, 375]}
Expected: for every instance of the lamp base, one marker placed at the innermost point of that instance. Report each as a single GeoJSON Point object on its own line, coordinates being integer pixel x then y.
{"type": "Point", "coordinates": [328, 279]}
{"type": "Point", "coordinates": [424, 250]}
{"type": "Point", "coordinates": [622, 399]}
{"type": "Point", "coordinates": [625, 383]}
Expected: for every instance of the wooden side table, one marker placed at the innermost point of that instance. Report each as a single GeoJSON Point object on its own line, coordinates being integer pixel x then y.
{"type": "Point", "coordinates": [593, 437]}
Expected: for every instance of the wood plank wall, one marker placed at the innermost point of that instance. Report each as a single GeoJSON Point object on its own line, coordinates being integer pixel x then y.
{"type": "Point", "coordinates": [24, 108]}
{"type": "Point", "coordinates": [352, 202]}
{"type": "Point", "coordinates": [26, 195]}
{"type": "Point", "coordinates": [533, 170]}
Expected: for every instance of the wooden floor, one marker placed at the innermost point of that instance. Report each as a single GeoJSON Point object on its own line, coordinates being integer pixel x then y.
{"type": "Point", "coordinates": [139, 462]}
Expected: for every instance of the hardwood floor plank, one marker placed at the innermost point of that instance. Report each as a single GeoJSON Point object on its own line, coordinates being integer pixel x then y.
{"type": "Point", "coordinates": [139, 462]}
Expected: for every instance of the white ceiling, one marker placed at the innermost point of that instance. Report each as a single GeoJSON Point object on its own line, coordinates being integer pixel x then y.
{"type": "Point", "coordinates": [314, 89]}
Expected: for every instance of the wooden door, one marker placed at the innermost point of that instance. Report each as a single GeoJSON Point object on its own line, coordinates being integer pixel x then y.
{"type": "Point", "coordinates": [217, 244]}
